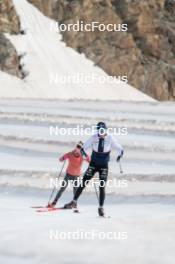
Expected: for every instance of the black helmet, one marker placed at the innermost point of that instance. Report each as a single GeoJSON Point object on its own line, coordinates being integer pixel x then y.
{"type": "Point", "coordinates": [101, 125]}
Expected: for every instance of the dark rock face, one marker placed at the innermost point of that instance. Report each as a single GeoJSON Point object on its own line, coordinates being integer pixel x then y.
{"type": "Point", "coordinates": [145, 53]}
{"type": "Point", "coordinates": [9, 23]}
{"type": "Point", "coordinates": [153, 30]}
{"type": "Point", "coordinates": [9, 61]}
{"type": "Point", "coordinates": [45, 6]}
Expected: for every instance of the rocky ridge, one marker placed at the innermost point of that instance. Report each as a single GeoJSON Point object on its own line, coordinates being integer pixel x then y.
{"type": "Point", "coordinates": [145, 53]}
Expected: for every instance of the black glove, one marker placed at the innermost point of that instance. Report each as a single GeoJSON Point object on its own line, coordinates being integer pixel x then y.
{"type": "Point", "coordinates": [120, 156]}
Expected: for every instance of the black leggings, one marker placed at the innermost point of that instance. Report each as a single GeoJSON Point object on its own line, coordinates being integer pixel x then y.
{"type": "Point", "coordinates": [103, 174]}
{"type": "Point", "coordinates": [67, 178]}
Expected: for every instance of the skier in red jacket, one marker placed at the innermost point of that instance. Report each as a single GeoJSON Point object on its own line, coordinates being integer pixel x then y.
{"type": "Point", "coordinates": [75, 160]}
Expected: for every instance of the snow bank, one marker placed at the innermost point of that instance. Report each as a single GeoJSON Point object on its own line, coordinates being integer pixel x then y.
{"type": "Point", "coordinates": [46, 54]}
{"type": "Point", "coordinates": [11, 86]}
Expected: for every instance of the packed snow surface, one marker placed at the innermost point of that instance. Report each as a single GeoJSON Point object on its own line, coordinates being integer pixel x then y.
{"type": "Point", "coordinates": [142, 209]}
{"type": "Point", "coordinates": [142, 212]}
{"type": "Point", "coordinates": [30, 237]}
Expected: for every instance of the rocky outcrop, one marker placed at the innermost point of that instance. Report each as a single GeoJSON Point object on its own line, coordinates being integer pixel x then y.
{"type": "Point", "coordinates": [9, 23]}
{"type": "Point", "coordinates": [151, 24]}
{"type": "Point", "coordinates": [47, 7]}
{"type": "Point", "coordinates": [9, 60]}
{"type": "Point", "coordinates": [146, 53]}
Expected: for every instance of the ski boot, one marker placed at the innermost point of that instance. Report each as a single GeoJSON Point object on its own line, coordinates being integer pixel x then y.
{"type": "Point", "coordinates": [51, 205]}
{"type": "Point", "coordinates": [71, 205]}
{"type": "Point", "coordinates": [101, 211]}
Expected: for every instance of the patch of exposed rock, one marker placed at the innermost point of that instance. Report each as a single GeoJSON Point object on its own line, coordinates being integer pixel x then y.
{"type": "Point", "coordinates": [145, 53]}
{"type": "Point", "coordinates": [9, 23]}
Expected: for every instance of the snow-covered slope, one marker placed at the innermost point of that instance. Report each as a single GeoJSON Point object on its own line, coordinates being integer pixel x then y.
{"type": "Point", "coordinates": [46, 54]}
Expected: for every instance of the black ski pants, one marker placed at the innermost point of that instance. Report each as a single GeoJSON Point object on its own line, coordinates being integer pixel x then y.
{"type": "Point", "coordinates": [67, 178]}
{"type": "Point", "coordinates": [90, 172]}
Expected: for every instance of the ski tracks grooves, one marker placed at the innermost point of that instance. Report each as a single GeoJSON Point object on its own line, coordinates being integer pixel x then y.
{"type": "Point", "coordinates": [149, 145]}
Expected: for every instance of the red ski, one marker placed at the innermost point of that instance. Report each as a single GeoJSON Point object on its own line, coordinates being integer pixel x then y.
{"type": "Point", "coordinates": [49, 209]}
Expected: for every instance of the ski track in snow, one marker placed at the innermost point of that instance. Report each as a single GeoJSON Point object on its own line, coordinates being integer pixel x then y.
{"type": "Point", "coordinates": [149, 162]}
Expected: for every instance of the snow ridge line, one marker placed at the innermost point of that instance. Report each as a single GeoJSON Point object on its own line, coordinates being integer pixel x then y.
{"type": "Point", "coordinates": [72, 143]}
{"type": "Point", "coordinates": [131, 177]}
{"type": "Point", "coordinates": [153, 197]}
{"type": "Point", "coordinates": [57, 117]}
{"type": "Point", "coordinates": [161, 128]}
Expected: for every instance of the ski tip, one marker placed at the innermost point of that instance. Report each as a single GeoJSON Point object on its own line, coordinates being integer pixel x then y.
{"type": "Point", "coordinates": [37, 207]}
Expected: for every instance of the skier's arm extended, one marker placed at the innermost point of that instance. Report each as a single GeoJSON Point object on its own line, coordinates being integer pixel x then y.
{"type": "Point", "coordinates": [64, 157]}
{"type": "Point", "coordinates": [87, 158]}
{"type": "Point", "coordinates": [87, 145]}
{"type": "Point", "coordinates": [85, 155]}
{"type": "Point", "coordinates": [115, 145]}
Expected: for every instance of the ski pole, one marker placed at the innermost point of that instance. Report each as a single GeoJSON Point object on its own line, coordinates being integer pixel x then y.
{"type": "Point", "coordinates": [58, 179]}
{"type": "Point", "coordinates": [120, 166]}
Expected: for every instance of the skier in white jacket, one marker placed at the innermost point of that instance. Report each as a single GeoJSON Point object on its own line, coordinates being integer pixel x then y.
{"type": "Point", "coordinates": [101, 144]}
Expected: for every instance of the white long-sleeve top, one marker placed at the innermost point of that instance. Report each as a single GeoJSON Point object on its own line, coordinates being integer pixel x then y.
{"type": "Point", "coordinates": [109, 143]}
